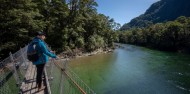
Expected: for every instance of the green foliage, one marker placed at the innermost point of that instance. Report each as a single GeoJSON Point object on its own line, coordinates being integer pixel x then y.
{"type": "Point", "coordinates": [18, 19]}
{"type": "Point", "coordinates": [95, 42]}
{"type": "Point", "coordinates": [172, 36]}
{"type": "Point", "coordinates": [161, 11]}
{"type": "Point", "coordinates": [68, 24]}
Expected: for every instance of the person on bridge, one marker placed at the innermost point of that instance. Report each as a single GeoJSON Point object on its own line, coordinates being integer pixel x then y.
{"type": "Point", "coordinates": [43, 52]}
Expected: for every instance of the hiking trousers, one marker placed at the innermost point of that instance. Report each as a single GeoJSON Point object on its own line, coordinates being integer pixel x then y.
{"type": "Point", "coordinates": [40, 69]}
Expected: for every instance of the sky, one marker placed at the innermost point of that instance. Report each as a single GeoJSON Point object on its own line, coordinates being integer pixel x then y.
{"type": "Point", "coordinates": [123, 10]}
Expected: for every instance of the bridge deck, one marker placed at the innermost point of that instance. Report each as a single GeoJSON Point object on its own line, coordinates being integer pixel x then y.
{"type": "Point", "coordinates": [29, 84]}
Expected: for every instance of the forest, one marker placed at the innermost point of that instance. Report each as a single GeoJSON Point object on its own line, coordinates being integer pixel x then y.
{"type": "Point", "coordinates": [76, 24]}
{"type": "Point", "coordinates": [165, 26]}
{"type": "Point", "coordinates": [158, 12]}
{"type": "Point", "coordinates": [68, 24]}
{"type": "Point", "coordinates": [168, 36]}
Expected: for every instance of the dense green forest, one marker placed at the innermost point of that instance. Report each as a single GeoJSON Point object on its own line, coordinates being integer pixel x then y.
{"type": "Point", "coordinates": [165, 26]}
{"type": "Point", "coordinates": [169, 36]}
{"type": "Point", "coordinates": [69, 24]}
{"type": "Point", "coordinates": [161, 11]}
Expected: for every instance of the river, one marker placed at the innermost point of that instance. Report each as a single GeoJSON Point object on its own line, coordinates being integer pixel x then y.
{"type": "Point", "coordinates": [135, 70]}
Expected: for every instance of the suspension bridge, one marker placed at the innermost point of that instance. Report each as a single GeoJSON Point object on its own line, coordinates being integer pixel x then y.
{"type": "Point", "coordinates": [17, 76]}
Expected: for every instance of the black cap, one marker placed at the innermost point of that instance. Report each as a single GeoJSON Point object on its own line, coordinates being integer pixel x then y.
{"type": "Point", "coordinates": [41, 33]}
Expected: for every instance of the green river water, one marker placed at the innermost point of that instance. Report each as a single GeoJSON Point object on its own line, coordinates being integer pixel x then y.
{"type": "Point", "coordinates": [135, 70]}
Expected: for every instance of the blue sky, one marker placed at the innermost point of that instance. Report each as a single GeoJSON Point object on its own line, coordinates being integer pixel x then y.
{"type": "Point", "coordinates": [123, 10]}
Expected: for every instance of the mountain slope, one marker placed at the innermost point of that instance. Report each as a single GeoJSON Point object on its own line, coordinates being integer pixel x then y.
{"type": "Point", "coordinates": [161, 11]}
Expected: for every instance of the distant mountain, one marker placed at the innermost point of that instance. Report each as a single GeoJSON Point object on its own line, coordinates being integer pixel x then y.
{"type": "Point", "coordinates": [161, 11]}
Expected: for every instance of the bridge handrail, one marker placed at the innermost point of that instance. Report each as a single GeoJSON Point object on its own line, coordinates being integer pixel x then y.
{"type": "Point", "coordinates": [80, 84]}
{"type": "Point", "coordinates": [12, 70]}
{"type": "Point", "coordinates": [16, 65]}
{"type": "Point", "coordinates": [85, 86]}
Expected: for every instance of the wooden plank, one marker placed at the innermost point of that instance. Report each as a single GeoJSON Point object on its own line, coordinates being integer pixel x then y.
{"type": "Point", "coordinates": [33, 87]}
{"type": "Point", "coordinates": [30, 80]}
{"type": "Point", "coordinates": [24, 83]}
{"type": "Point", "coordinates": [29, 85]}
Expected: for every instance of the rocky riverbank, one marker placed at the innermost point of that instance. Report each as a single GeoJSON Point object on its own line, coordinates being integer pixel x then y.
{"type": "Point", "coordinates": [80, 53]}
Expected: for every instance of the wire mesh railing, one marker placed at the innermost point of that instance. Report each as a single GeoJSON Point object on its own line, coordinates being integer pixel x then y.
{"type": "Point", "coordinates": [62, 80]}
{"type": "Point", "coordinates": [76, 79]}
{"type": "Point", "coordinates": [12, 71]}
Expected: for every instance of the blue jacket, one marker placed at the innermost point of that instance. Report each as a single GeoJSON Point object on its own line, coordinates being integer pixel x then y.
{"type": "Point", "coordinates": [42, 51]}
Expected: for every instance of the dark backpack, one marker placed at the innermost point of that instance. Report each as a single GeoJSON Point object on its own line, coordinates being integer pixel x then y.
{"type": "Point", "coordinates": [32, 54]}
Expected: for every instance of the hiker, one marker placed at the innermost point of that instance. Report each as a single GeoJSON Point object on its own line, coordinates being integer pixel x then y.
{"type": "Point", "coordinates": [43, 53]}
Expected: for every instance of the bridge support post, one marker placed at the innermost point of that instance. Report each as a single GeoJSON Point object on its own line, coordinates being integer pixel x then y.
{"type": "Point", "coordinates": [15, 70]}
{"type": "Point", "coordinates": [61, 84]}
{"type": "Point", "coordinates": [51, 70]}
{"type": "Point", "coordinates": [23, 59]}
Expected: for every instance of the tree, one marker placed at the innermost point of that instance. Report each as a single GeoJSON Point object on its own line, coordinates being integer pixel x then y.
{"type": "Point", "coordinates": [68, 24]}
{"type": "Point", "coordinates": [18, 19]}
{"type": "Point", "coordinates": [170, 36]}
